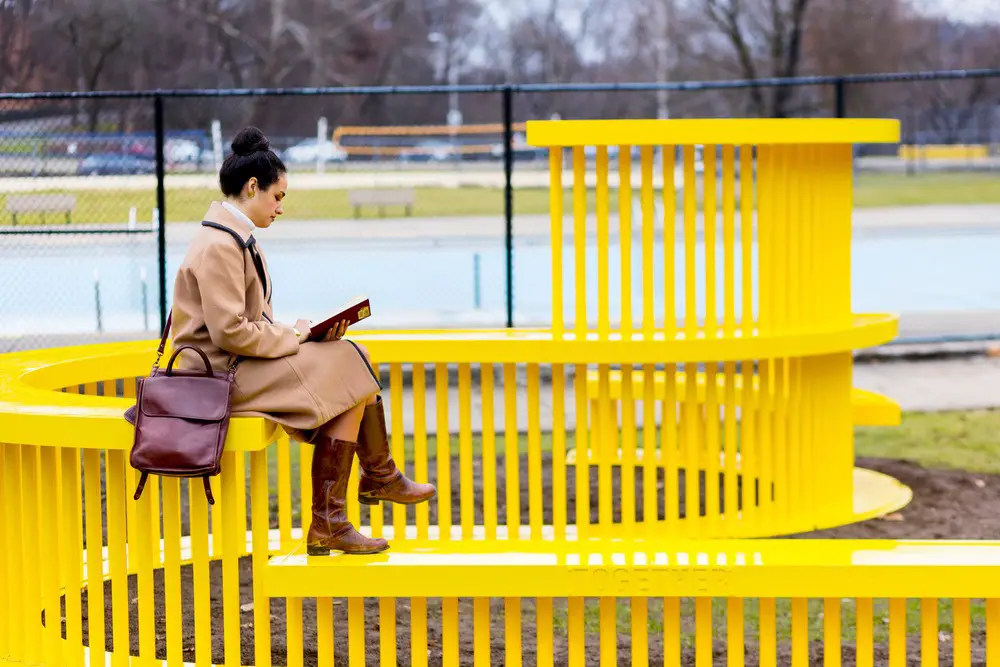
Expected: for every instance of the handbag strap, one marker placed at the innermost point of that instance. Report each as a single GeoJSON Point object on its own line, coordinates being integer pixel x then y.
{"type": "Point", "coordinates": [163, 339]}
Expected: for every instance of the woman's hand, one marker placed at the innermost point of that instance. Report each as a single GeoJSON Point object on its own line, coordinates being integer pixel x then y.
{"type": "Point", "coordinates": [337, 331]}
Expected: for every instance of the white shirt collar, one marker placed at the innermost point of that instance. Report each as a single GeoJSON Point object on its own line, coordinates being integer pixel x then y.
{"type": "Point", "coordinates": [239, 214]}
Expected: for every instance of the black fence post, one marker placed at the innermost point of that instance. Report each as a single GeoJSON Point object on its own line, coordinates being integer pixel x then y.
{"type": "Point", "coordinates": [839, 99]}
{"type": "Point", "coordinates": [161, 235]}
{"type": "Point", "coordinates": [508, 168]}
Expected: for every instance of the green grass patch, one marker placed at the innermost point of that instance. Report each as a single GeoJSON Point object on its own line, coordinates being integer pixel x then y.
{"type": "Point", "coordinates": [188, 205]}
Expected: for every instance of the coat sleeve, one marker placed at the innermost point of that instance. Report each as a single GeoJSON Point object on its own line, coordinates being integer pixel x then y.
{"type": "Point", "coordinates": [222, 285]}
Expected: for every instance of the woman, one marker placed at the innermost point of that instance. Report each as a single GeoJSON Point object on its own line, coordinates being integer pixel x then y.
{"type": "Point", "coordinates": [322, 392]}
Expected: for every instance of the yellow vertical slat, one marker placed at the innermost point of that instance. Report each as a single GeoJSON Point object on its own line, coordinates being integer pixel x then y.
{"type": "Point", "coordinates": [48, 554]}
{"type": "Point", "coordinates": [765, 442]}
{"type": "Point", "coordinates": [283, 449]}
{"type": "Point", "coordinates": [831, 632]}
{"type": "Point", "coordinates": [577, 632]}
{"type": "Point", "coordinates": [785, 194]}
{"type": "Point", "coordinates": [511, 453]}
{"type": "Point", "coordinates": [749, 400]}
{"type": "Point", "coordinates": [650, 494]}
{"type": "Point", "coordinates": [992, 632]}
{"type": "Point", "coordinates": [710, 207]}
{"type": "Point", "coordinates": [606, 436]}
{"type": "Point", "coordinates": [325, 645]}
{"type": "Point", "coordinates": [690, 245]}
{"type": "Point", "coordinates": [231, 538]}
{"type": "Point", "coordinates": [582, 459]}
{"type": "Point", "coordinates": [729, 239]}
{"type": "Point", "coordinates": [6, 575]}
{"type": "Point", "coordinates": [398, 444]}
{"type": "Point", "coordinates": [293, 624]}
{"type": "Point", "coordinates": [712, 448]}
{"type": "Point", "coordinates": [95, 567]}
{"type": "Point", "coordinates": [556, 241]}
{"type": "Point", "coordinates": [418, 632]}
{"type": "Point", "coordinates": [376, 515]}
{"type": "Point", "coordinates": [117, 564]}
{"type": "Point", "coordinates": [449, 632]}
{"type": "Point", "coordinates": [639, 608]}
{"type": "Point", "coordinates": [671, 632]}
{"type": "Point", "coordinates": [171, 496]}
{"type": "Point", "coordinates": [669, 448]}
{"type": "Point", "coordinates": [625, 237]}
{"type": "Point", "coordinates": [800, 632]}
{"type": "Point", "coordinates": [489, 452]}
{"type": "Point", "coordinates": [305, 484]}
{"type": "Point", "coordinates": [897, 632]}
{"type": "Point", "coordinates": [559, 497]}
{"type": "Point", "coordinates": [765, 222]}
{"type": "Point", "coordinates": [141, 548]}
{"type": "Point", "coordinates": [703, 632]}
{"type": "Point", "coordinates": [420, 444]}
{"type": "Point", "coordinates": [779, 433]}
{"type": "Point", "coordinates": [259, 524]}
{"type": "Point", "coordinates": [356, 632]}
{"type": "Point", "coordinates": [608, 631]}
{"type": "Point", "coordinates": [929, 631]}
{"type": "Point", "coordinates": [580, 241]}
{"type": "Point", "coordinates": [241, 500]}
{"type": "Point", "coordinates": [627, 484]}
{"type": "Point", "coordinates": [961, 632]}
{"type": "Point", "coordinates": [730, 512]}
{"type": "Point", "coordinates": [734, 632]}
{"type": "Point", "coordinates": [466, 483]}
{"type": "Point", "coordinates": [481, 632]}
{"type": "Point", "coordinates": [71, 555]}
{"type": "Point", "coordinates": [603, 309]}
{"type": "Point", "coordinates": [442, 431]}
{"type": "Point", "coordinates": [387, 631]}
{"type": "Point", "coordinates": [692, 451]}
{"type": "Point", "coordinates": [648, 241]}
{"type": "Point", "coordinates": [768, 632]}
{"type": "Point", "coordinates": [13, 508]}
{"type": "Point", "coordinates": [153, 489]}
{"type": "Point", "coordinates": [864, 633]}
{"type": "Point", "coordinates": [544, 643]}
{"type": "Point", "coordinates": [512, 632]}
{"type": "Point", "coordinates": [201, 584]}
{"type": "Point", "coordinates": [534, 453]}
{"type": "Point", "coordinates": [669, 195]}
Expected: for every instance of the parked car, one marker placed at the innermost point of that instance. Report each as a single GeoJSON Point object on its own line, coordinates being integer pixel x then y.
{"type": "Point", "coordinates": [311, 149]}
{"type": "Point", "coordinates": [115, 163]}
{"type": "Point", "coordinates": [430, 150]}
{"type": "Point", "coordinates": [181, 150]}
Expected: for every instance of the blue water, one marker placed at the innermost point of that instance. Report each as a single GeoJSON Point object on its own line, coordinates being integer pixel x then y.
{"type": "Point", "coordinates": [48, 286]}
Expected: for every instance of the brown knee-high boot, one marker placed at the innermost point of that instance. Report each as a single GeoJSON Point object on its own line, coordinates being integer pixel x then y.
{"type": "Point", "coordinates": [330, 529]}
{"type": "Point", "coordinates": [380, 479]}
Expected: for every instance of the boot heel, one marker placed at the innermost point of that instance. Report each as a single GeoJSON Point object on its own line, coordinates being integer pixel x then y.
{"type": "Point", "coordinates": [317, 550]}
{"type": "Point", "coordinates": [364, 500]}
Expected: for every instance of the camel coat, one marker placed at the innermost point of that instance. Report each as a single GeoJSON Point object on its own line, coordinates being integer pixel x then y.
{"type": "Point", "coordinates": [222, 304]}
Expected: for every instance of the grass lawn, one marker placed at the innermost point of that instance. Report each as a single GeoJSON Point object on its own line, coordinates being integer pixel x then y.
{"type": "Point", "coordinates": [873, 190]}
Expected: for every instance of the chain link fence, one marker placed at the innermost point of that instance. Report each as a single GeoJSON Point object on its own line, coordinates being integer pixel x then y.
{"type": "Point", "coordinates": [441, 224]}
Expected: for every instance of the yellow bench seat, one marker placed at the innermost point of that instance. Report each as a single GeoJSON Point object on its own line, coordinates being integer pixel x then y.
{"type": "Point", "coordinates": [682, 568]}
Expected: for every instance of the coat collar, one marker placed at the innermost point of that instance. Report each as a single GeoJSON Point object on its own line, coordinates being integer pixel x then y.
{"type": "Point", "coordinates": [218, 216]}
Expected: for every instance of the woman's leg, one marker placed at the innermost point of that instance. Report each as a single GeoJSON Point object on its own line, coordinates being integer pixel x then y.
{"type": "Point", "coordinates": [380, 478]}
{"type": "Point", "coordinates": [346, 425]}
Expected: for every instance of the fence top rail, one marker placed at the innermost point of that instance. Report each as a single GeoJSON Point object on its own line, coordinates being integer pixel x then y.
{"type": "Point", "coordinates": [517, 87]}
{"type": "Point", "coordinates": [727, 131]}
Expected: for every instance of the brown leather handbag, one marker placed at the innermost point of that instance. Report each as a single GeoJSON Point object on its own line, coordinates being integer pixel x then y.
{"type": "Point", "coordinates": [181, 418]}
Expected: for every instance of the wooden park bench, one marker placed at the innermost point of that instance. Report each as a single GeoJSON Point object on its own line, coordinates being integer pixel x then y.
{"type": "Point", "coordinates": [41, 203]}
{"type": "Point", "coordinates": [382, 198]}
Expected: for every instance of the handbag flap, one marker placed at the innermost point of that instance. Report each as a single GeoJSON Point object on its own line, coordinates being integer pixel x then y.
{"type": "Point", "coordinates": [185, 397]}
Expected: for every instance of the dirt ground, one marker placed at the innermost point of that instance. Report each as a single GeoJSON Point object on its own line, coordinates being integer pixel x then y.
{"type": "Point", "coordinates": [945, 505]}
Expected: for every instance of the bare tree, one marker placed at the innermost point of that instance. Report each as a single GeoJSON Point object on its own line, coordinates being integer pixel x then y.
{"type": "Point", "coordinates": [16, 63]}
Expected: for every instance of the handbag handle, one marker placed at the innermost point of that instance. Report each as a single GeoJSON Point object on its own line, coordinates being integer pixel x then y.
{"type": "Point", "coordinates": [204, 357]}
{"type": "Point", "coordinates": [163, 339]}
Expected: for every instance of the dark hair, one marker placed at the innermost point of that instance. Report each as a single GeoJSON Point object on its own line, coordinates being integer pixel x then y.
{"type": "Point", "coordinates": [251, 156]}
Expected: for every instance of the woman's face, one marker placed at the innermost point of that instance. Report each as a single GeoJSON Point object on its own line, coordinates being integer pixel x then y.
{"type": "Point", "coordinates": [265, 205]}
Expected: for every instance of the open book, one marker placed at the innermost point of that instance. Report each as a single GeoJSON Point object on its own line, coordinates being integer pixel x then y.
{"type": "Point", "coordinates": [353, 310]}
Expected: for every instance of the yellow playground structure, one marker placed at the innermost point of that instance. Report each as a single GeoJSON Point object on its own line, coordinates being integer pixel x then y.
{"type": "Point", "coordinates": [607, 494]}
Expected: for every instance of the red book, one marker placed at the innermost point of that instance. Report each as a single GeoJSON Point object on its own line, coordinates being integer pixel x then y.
{"type": "Point", "coordinates": [353, 311]}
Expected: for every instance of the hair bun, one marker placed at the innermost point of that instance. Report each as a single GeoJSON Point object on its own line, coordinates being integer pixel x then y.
{"type": "Point", "coordinates": [250, 140]}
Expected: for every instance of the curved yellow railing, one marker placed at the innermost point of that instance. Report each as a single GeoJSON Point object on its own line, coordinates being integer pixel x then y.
{"type": "Point", "coordinates": [750, 289]}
